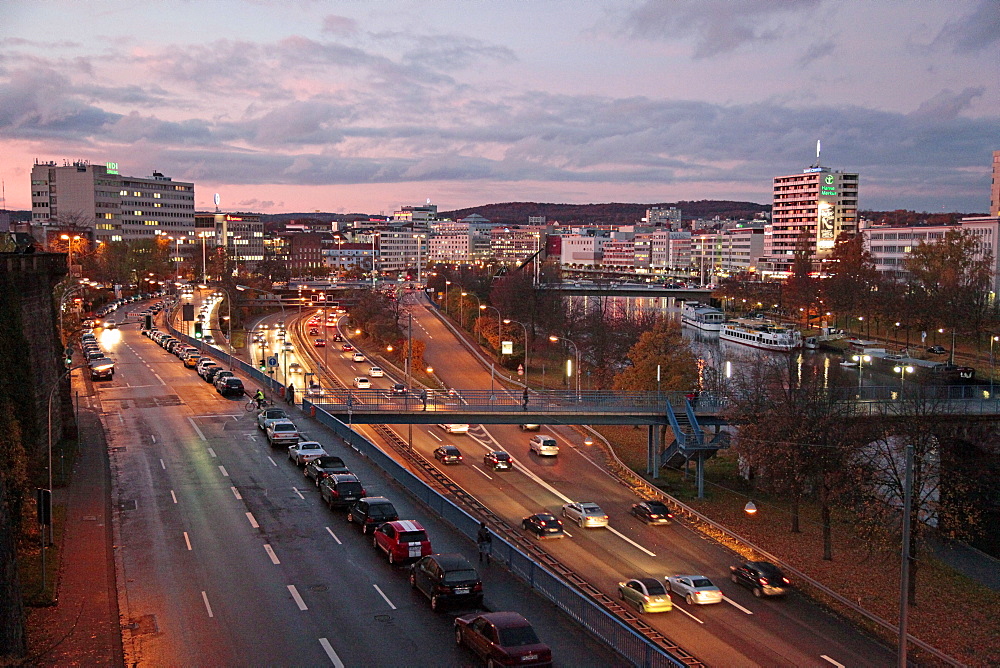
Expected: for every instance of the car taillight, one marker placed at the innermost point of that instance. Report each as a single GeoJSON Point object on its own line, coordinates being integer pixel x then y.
{"type": "Point", "coordinates": [363, 492]}
{"type": "Point", "coordinates": [478, 587]}
{"type": "Point", "coordinates": [442, 589]}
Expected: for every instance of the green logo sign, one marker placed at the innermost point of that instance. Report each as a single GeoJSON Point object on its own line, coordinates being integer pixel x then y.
{"type": "Point", "coordinates": [112, 168]}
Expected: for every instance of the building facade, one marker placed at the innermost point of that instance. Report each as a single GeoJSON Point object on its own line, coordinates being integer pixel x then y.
{"type": "Point", "coordinates": [995, 186]}
{"type": "Point", "coordinates": [241, 233]}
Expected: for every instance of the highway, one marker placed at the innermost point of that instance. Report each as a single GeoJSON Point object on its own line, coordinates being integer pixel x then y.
{"type": "Point", "coordinates": [740, 631]}
{"type": "Point", "coordinates": [225, 555]}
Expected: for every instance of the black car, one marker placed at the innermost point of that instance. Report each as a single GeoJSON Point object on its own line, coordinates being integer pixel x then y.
{"type": "Point", "coordinates": [371, 511]}
{"type": "Point", "coordinates": [340, 490]}
{"type": "Point", "coordinates": [447, 579]}
{"type": "Point", "coordinates": [937, 350]}
{"type": "Point", "coordinates": [321, 467]}
{"type": "Point", "coordinates": [230, 386]}
{"type": "Point", "coordinates": [543, 525]}
{"type": "Point", "coordinates": [448, 454]}
{"type": "Point", "coordinates": [211, 375]}
{"type": "Point", "coordinates": [652, 512]}
{"type": "Point", "coordinates": [498, 460]}
{"type": "Point", "coordinates": [761, 577]}
{"type": "Point", "coordinates": [399, 390]}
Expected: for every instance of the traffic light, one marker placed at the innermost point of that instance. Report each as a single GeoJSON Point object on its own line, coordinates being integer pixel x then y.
{"type": "Point", "coordinates": [262, 364]}
{"type": "Point", "coordinates": [68, 356]}
{"type": "Point", "coordinates": [197, 330]}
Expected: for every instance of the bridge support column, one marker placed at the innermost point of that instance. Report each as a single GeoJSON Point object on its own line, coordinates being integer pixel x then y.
{"type": "Point", "coordinates": [653, 451]}
{"type": "Point", "coordinates": [700, 474]}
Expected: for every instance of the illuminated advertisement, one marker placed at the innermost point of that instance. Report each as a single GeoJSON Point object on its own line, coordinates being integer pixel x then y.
{"type": "Point", "coordinates": [826, 228]}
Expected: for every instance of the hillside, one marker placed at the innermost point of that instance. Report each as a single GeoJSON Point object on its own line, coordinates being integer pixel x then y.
{"type": "Point", "coordinates": [613, 213]}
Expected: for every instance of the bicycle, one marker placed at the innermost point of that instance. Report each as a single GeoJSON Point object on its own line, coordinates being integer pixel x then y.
{"type": "Point", "coordinates": [252, 405]}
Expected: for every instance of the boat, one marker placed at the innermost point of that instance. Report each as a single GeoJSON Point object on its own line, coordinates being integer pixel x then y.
{"type": "Point", "coordinates": [925, 370]}
{"type": "Point", "coordinates": [702, 316]}
{"type": "Point", "coordinates": [761, 333]}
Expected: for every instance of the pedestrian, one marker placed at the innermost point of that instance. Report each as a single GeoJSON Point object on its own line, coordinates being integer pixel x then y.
{"type": "Point", "coordinates": [484, 539]}
{"type": "Point", "coordinates": [290, 394]}
{"type": "Point", "coordinates": [524, 399]}
{"type": "Point", "coordinates": [423, 397]}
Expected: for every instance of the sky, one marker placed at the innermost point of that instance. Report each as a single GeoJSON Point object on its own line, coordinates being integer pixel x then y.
{"type": "Point", "coordinates": [366, 105]}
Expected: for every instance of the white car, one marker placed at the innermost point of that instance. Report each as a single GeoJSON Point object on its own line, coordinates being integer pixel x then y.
{"type": "Point", "coordinates": [455, 428]}
{"type": "Point", "coordinates": [544, 446]}
{"type": "Point", "coordinates": [376, 372]}
{"type": "Point", "coordinates": [358, 357]}
{"type": "Point", "coordinates": [695, 589]}
{"type": "Point", "coordinates": [362, 383]}
{"type": "Point", "coordinates": [304, 452]}
{"type": "Point", "coordinates": [280, 432]}
{"type": "Point", "coordinates": [585, 514]}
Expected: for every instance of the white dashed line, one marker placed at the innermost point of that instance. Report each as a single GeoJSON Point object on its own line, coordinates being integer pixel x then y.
{"type": "Point", "coordinates": [224, 471]}
{"type": "Point", "coordinates": [382, 594]}
{"type": "Point", "coordinates": [273, 463]}
{"type": "Point", "coordinates": [488, 477]}
{"type": "Point", "coordinates": [680, 609]}
{"type": "Point", "coordinates": [826, 658]}
{"type": "Point", "coordinates": [328, 648]}
{"type": "Point", "coordinates": [200, 435]}
{"type": "Point", "coordinates": [298, 599]}
{"type": "Point", "coordinates": [629, 540]}
{"type": "Point", "coordinates": [152, 437]}
{"type": "Point", "coordinates": [187, 541]}
{"type": "Point", "coordinates": [236, 493]}
{"type": "Point", "coordinates": [211, 452]}
{"type": "Point", "coordinates": [253, 522]}
{"type": "Point", "coordinates": [736, 605]}
{"type": "Point", "coordinates": [163, 382]}
{"type": "Point", "coordinates": [330, 531]}
{"type": "Point", "coordinates": [296, 490]}
{"type": "Point", "coordinates": [162, 465]}
{"type": "Point", "coordinates": [270, 553]}
{"type": "Point", "coordinates": [173, 496]}
{"type": "Point", "coordinates": [208, 606]}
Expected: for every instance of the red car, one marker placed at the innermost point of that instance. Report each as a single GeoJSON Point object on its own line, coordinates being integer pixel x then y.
{"type": "Point", "coordinates": [402, 540]}
{"type": "Point", "coordinates": [320, 343]}
{"type": "Point", "coordinates": [502, 639]}
{"type": "Point", "coordinates": [347, 347]}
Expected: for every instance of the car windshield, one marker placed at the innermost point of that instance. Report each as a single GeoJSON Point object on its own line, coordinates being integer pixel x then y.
{"type": "Point", "coordinates": [518, 636]}
{"type": "Point", "coordinates": [464, 575]}
{"type": "Point", "coordinates": [283, 427]}
{"type": "Point", "coordinates": [381, 511]}
{"type": "Point", "coordinates": [657, 508]}
{"type": "Point", "coordinates": [501, 456]}
{"type": "Point", "coordinates": [411, 536]}
{"type": "Point", "coordinates": [702, 583]}
{"type": "Point", "coordinates": [548, 522]}
{"type": "Point", "coordinates": [274, 414]}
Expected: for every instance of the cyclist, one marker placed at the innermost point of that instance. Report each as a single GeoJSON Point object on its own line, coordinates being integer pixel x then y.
{"type": "Point", "coordinates": [259, 399]}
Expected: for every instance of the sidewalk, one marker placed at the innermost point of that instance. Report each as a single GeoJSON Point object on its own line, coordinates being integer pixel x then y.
{"type": "Point", "coordinates": [84, 627]}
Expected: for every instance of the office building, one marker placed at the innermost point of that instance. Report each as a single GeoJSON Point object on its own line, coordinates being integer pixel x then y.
{"type": "Point", "coordinates": [995, 186]}
{"type": "Point", "coordinates": [242, 234]}
{"type": "Point", "coordinates": [669, 217]}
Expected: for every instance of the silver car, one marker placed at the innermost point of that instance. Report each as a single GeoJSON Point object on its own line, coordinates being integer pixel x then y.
{"type": "Point", "coordinates": [585, 514]}
{"type": "Point", "coordinates": [695, 589]}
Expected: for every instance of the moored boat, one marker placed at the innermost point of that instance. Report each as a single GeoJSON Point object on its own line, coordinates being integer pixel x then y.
{"type": "Point", "coordinates": [702, 316]}
{"type": "Point", "coordinates": [761, 333]}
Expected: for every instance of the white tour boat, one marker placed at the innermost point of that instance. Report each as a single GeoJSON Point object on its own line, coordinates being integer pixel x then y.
{"type": "Point", "coordinates": [761, 333]}
{"type": "Point", "coordinates": [702, 316]}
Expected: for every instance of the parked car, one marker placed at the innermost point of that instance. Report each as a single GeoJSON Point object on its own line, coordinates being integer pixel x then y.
{"type": "Point", "coordinates": [502, 639]}
{"type": "Point", "coordinates": [646, 594]}
{"type": "Point", "coordinates": [212, 372]}
{"type": "Point", "coordinates": [695, 589]}
{"type": "Point", "coordinates": [305, 451]}
{"type": "Point", "coordinates": [761, 577]}
{"type": "Point", "coordinates": [455, 428]}
{"type": "Point", "coordinates": [585, 514]}
{"type": "Point", "coordinates": [543, 525]}
{"type": "Point", "coordinates": [402, 540]}
{"type": "Point", "coordinates": [498, 460]}
{"type": "Point", "coordinates": [206, 367]}
{"type": "Point", "coordinates": [321, 467]}
{"type": "Point", "coordinates": [230, 385]}
{"type": "Point", "coordinates": [652, 512]}
{"type": "Point", "coordinates": [282, 432]}
{"type": "Point", "coordinates": [362, 383]}
{"type": "Point", "coordinates": [269, 415]}
{"type": "Point", "coordinates": [341, 490]}
{"type": "Point", "coordinates": [220, 375]}
{"type": "Point", "coordinates": [448, 454]}
{"type": "Point", "coordinates": [191, 360]}
{"type": "Point", "coordinates": [371, 512]}
{"type": "Point", "coordinates": [543, 446]}
{"type": "Point", "coordinates": [447, 579]}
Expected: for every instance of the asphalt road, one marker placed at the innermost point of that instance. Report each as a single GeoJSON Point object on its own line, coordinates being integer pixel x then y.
{"type": "Point", "coordinates": [226, 556]}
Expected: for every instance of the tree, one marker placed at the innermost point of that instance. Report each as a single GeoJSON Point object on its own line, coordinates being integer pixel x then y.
{"type": "Point", "coordinates": [664, 346]}
{"type": "Point", "coordinates": [851, 276]}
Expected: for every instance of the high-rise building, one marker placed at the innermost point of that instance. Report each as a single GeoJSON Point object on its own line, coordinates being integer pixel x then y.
{"type": "Point", "coordinates": [810, 210]}
{"type": "Point", "coordinates": [243, 234]}
{"type": "Point", "coordinates": [995, 186]}
{"type": "Point", "coordinates": [110, 206]}
{"type": "Point", "coordinates": [669, 217]}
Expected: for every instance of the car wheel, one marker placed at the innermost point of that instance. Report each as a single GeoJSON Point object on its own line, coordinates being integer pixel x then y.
{"type": "Point", "coordinates": [392, 558]}
{"type": "Point", "coordinates": [580, 522]}
{"type": "Point", "coordinates": [758, 592]}
{"type": "Point", "coordinates": [435, 603]}
{"type": "Point", "coordinates": [641, 608]}
{"type": "Point", "coordinates": [689, 599]}
{"type": "Point", "coordinates": [458, 635]}
{"type": "Point", "coordinates": [375, 542]}
{"type": "Point", "coordinates": [564, 512]}
{"type": "Point", "coordinates": [734, 578]}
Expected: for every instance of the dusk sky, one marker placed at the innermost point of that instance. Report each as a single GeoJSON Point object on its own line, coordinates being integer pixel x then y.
{"type": "Point", "coordinates": [363, 106]}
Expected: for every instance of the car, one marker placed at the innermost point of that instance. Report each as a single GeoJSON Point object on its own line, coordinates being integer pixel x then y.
{"type": "Point", "coordinates": [362, 383]}
{"type": "Point", "coordinates": [230, 385]}
{"type": "Point", "coordinates": [313, 331]}
{"type": "Point", "coordinates": [402, 540]}
{"type": "Point", "coordinates": [305, 451]}
{"type": "Point", "coordinates": [502, 639]}
{"type": "Point", "coordinates": [212, 373]}
{"type": "Point", "coordinates": [448, 454]}
{"type": "Point", "coordinates": [543, 446]}
{"type": "Point", "coordinates": [937, 350]}
{"type": "Point", "coordinates": [455, 428]}
{"type": "Point", "coordinates": [101, 368]}
{"type": "Point", "coordinates": [399, 390]}
{"type": "Point", "coordinates": [543, 525]}
{"type": "Point", "coordinates": [338, 338]}
{"type": "Point", "coordinates": [498, 460]}
{"type": "Point", "coordinates": [341, 490]}
{"type": "Point", "coordinates": [652, 512]}
{"type": "Point", "coordinates": [358, 357]}
{"type": "Point", "coordinates": [94, 354]}
{"type": "Point", "coordinates": [269, 415]}
{"type": "Point", "coordinates": [209, 339]}
{"type": "Point", "coordinates": [321, 467]}
{"type": "Point", "coordinates": [375, 372]}
{"type": "Point", "coordinates": [294, 367]}
{"type": "Point", "coordinates": [646, 594]}
{"type": "Point", "coordinates": [220, 376]}
{"type": "Point", "coordinates": [530, 427]}
{"type": "Point", "coordinates": [320, 343]}
{"type": "Point", "coordinates": [447, 579]}
{"type": "Point", "coordinates": [696, 589]}
{"type": "Point", "coordinates": [585, 513]}
{"type": "Point", "coordinates": [347, 347]}
{"type": "Point", "coordinates": [371, 512]}
{"type": "Point", "coordinates": [761, 577]}
{"type": "Point", "coordinates": [206, 367]}
{"type": "Point", "coordinates": [282, 432]}
{"type": "Point", "coordinates": [191, 361]}
{"type": "Point", "coordinates": [287, 347]}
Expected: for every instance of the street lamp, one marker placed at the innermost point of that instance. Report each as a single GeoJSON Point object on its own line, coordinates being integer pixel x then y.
{"type": "Point", "coordinates": [553, 338]}
{"type": "Point", "coordinates": [941, 331]}
{"type": "Point", "coordinates": [483, 307]}
{"type": "Point", "coordinates": [204, 262]}
{"type": "Point", "coordinates": [70, 239]}
{"type": "Point", "coordinates": [446, 284]}
{"type": "Point", "coordinates": [479, 307]}
{"type": "Point", "coordinates": [902, 371]}
{"type": "Point", "coordinates": [508, 321]}
{"type": "Point", "coordinates": [861, 359]}
{"type": "Point", "coordinates": [462, 308]}
{"type": "Point", "coordinates": [993, 339]}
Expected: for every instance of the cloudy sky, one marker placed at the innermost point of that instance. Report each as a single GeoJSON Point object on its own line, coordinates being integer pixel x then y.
{"type": "Point", "coordinates": [364, 105]}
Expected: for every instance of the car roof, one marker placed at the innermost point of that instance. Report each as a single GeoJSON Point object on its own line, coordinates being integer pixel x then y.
{"type": "Point", "coordinates": [649, 582]}
{"type": "Point", "coordinates": [505, 620]}
{"type": "Point", "coordinates": [448, 447]}
{"type": "Point", "coordinates": [545, 516]}
{"type": "Point", "coordinates": [376, 500]}
{"type": "Point", "coordinates": [452, 561]}
{"type": "Point", "coordinates": [310, 443]}
{"type": "Point", "coordinates": [407, 525]}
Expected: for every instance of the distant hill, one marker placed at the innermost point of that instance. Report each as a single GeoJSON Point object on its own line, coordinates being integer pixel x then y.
{"type": "Point", "coordinates": [613, 213]}
{"type": "Point", "coordinates": [902, 217]}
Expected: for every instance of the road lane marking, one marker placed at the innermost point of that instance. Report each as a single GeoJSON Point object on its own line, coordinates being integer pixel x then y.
{"type": "Point", "coordinates": [488, 477]}
{"type": "Point", "coordinates": [163, 382]}
{"type": "Point", "coordinates": [253, 522]}
{"type": "Point", "coordinates": [296, 490]}
{"type": "Point", "coordinates": [153, 437]}
{"type": "Point", "coordinates": [298, 599]}
{"type": "Point", "coordinates": [224, 471]}
{"type": "Point", "coordinates": [826, 658]}
{"type": "Point", "coordinates": [271, 460]}
{"type": "Point", "coordinates": [629, 540]}
{"type": "Point", "coordinates": [208, 606]}
{"type": "Point", "coordinates": [330, 531]}
{"type": "Point", "coordinates": [162, 465]}
{"type": "Point", "coordinates": [736, 605]}
{"type": "Point", "coordinates": [173, 496]}
{"type": "Point", "coordinates": [270, 553]}
{"type": "Point", "coordinates": [236, 493]}
{"type": "Point", "coordinates": [211, 452]}
{"type": "Point", "coordinates": [328, 648]}
{"type": "Point", "coordinates": [187, 541]}
{"type": "Point", "coordinates": [680, 609]}
{"type": "Point", "coordinates": [200, 435]}
{"type": "Point", "coordinates": [382, 594]}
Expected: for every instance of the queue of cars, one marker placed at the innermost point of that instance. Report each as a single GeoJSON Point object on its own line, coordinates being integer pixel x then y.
{"type": "Point", "coordinates": [226, 382]}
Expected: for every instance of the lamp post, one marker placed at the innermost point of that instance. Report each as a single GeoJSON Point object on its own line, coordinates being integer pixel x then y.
{"type": "Point", "coordinates": [462, 308]}
{"type": "Point", "coordinates": [861, 359]}
{"type": "Point", "coordinates": [69, 243]}
{"type": "Point", "coordinates": [483, 307]}
{"type": "Point", "coordinates": [508, 321]}
{"type": "Point", "coordinates": [446, 284]}
{"type": "Point", "coordinates": [951, 359]}
{"type": "Point", "coordinates": [576, 351]}
{"type": "Point", "coordinates": [902, 371]}
{"type": "Point", "coordinates": [993, 339]}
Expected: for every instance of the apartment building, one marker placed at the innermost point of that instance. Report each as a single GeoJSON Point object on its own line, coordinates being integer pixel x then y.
{"type": "Point", "coordinates": [724, 253]}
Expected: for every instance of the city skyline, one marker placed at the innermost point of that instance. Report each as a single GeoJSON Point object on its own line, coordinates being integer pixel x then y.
{"type": "Point", "coordinates": [362, 107]}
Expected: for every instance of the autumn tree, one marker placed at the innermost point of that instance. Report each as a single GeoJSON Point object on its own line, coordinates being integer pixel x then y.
{"type": "Point", "coordinates": [851, 276]}
{"type": "Point", "coordinates": [663, 346]}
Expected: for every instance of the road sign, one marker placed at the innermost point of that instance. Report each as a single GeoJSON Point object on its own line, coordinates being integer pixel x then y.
{"type": "Point", "coordinates": [506, 347]}
{"type": "Point", "coordinates": [272, 361]}
{"type": "Point", "coordinates": [520, 369]}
